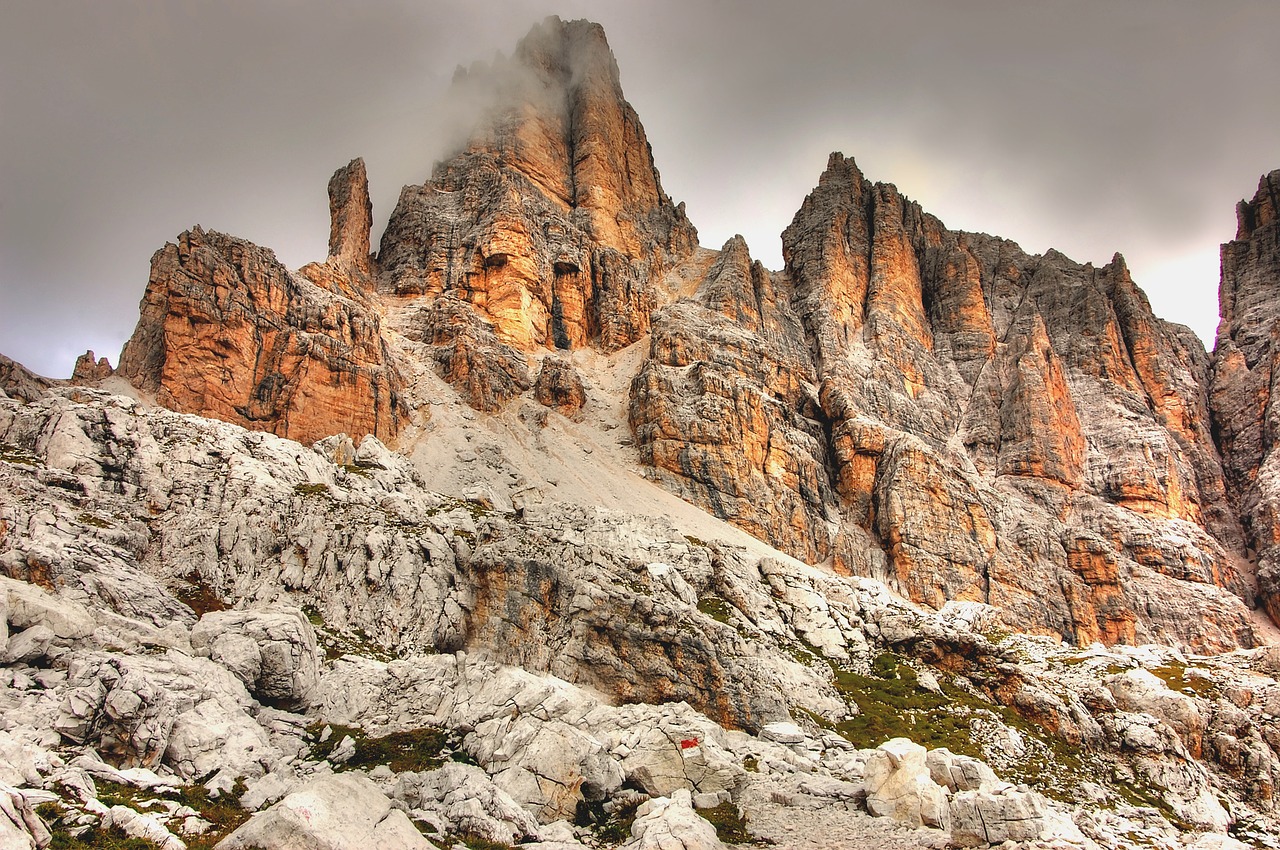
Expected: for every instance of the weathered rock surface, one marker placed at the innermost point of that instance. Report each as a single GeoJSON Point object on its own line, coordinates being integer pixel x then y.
{"type": "Point", "coordinates": [342, 812]}
{"type": "Point", "coordinates": [672, 824]}
{"type": "Point", "coordinates": [996, 815]}
{"type": "Point", "coordinates": [1006, 439]}
{"type": "Point", "coordinates": [900, 785]}
{"type": "Point", "coordinates": [551, 222]}
{"type": "Point", "coordinates": [1244, 372]}
{"type": "Point", "coordinates": [559, 386]}
{"type": "Point", "coordinates": [89, 370]}
{"type": "Point", "coordinates": [272, 652]}
{"type": "Point", "coordinates": [17, 381]}
{"type": "Point", "coordinates": [226, 331]}
{"type": "Point", "coordinates": [949, 414]}
{"type": "Point", "coordinates": [611, 602]}
{"type": "Point", "coordinates": [20, 827]}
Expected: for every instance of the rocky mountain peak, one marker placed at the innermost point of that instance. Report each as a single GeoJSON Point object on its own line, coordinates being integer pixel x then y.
{"type": "Point", "coordinates": [1262, 210]}
{"type": "Point", "coordinates": [551, 223]}
{"type": "Point", "coordinates": [351, 215]}
{"type": "Point", "coordinates": [925, 476]}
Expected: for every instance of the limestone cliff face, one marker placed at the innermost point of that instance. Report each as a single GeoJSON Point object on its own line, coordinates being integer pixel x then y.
{"type": "Point", "coordinates": [955, 416]}
{"type": "Point", "coordinates": [551, 222]}
{"type": "Point", "coordinates": [1244, 375]}
{"type": "Point", "coordinates": [936, 409]}
{"type": "Point", "coordinates": [348, 270]}
{"type": "Point", "coordinates": [226, 331]}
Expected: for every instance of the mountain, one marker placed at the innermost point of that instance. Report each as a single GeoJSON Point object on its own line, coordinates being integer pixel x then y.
{"type": "Point", "coordinates": [544, 523]}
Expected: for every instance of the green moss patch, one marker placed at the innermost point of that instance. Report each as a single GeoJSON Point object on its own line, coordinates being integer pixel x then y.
{"type": "Point", "coordinates": [417, 750]}
{"type": "Point", "coordinates": [12, 454]}
{"type": "Point", "coordinates": [715, 608]}
{"type": "Point", "coordinates": [731, 825]}
{"type": "Point", "coordinates": [311, 489]}
{"type": "Point", "coordinates": [1176, 678]}
{"type": "Point", "coordinates": [224, 812]}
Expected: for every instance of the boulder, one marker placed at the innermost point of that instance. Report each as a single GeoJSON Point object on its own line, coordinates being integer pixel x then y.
{"type": "Point", "coordinates": [186, 713]}
{"type": "Point", "coordinates": [20, 827]}
{"type": "Point", "coordinates": [899, 785]}
{"type": "Point", "coordinates": [30, 605]}
{"type": "Point", "coordinates": [340, 812]}
{"type": "Point", "coordinates": [273, 652]}
{"type": "Point", "coordinates": [670, 823]}
{"type": "Point", "coordinates": [465, 801]}
{"type": "Point", "coordinates": [996, 814]}
{"type": "Point", "coordinates": [958, 773]}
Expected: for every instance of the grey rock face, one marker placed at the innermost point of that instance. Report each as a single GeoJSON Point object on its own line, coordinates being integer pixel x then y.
{"type": "Point", "coordinates": [332, 812]}
{"type": "Point", "coordinates": [1244, 370]}
{"type": "Point", "coordinates": [272, 652]}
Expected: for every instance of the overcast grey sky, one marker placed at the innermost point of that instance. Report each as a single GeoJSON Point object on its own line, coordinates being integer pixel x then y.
{"type": "Point", "coordinates": [1091, 127]}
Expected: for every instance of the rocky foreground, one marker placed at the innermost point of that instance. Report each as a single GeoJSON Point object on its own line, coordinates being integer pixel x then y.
{"type": "Point", "coordinates": [404, 668]}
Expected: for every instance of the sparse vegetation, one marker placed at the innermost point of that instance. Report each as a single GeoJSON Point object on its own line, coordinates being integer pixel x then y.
{"type": "Point", "coordinates": [362, 467]}
{"type": "Point", "coordinates": [337, 644]}
{"type": "Point", "coordinates": [10, 453]}
{"type": "Point", "coordinates": [715, 608]}
{"type": "Point", "coordinates": [311, 489]}
{"type": "Point", "coordinates": [474, 508]}
{"type": "Point", "coordinates": [609, 827]}
{"type": "Point", "coordinates": [417, 750]}
{"type": "Point", "coordinates": [224, 812]}
{"type": "Point", "coordinates": [198, 595]}
{"type": "Point", "coordinates": [95, 521]}
{"type": "Point", "coordinates": [1179, 677]}
{"type": "Point", "coordinates": [731, 825]}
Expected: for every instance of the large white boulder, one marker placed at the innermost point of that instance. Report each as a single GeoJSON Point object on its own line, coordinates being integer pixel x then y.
{"type": "Point", "coordinates": [187, 713]}
{"type": "Point", "coordinates": [29, 605]}
{"type": "Point", "coordinates": [958, 773]}
{"type": "Point", "coordinates": [462, 799]}
{"type": "Point", "coordinates": [670, 823]}
{"type": "Point", "coordinates": [900, 786]}
{"type": "Point", "coordinates": [344, 811]}
{"type": "Point", "coordinates": [996, 814]}
{"type": "Point", "coordinates": [273, 652]}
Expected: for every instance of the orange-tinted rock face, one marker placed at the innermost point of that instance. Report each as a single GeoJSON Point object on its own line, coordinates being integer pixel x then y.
{"type": "Point", "coordinates": [956, 417]}
{"type": "Point", "coordinates": [226, 331]}
{"type": "Point", "coordinates": [1244, 373]}
{"type": "Point", "coordinates": [713, 409]}
{"type": "Point", "coordinates": [559, 386]}
{"type": "Point", "coordinates": [89, 370]}
{"type": "Point", "coordinates": [551, 222]}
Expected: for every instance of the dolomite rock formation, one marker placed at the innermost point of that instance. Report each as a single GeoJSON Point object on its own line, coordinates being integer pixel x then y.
{"type": "Point", "coordinates": [551, 221]}
{"type": "Point", "coordinates": [17, 381]}
{"type": "Point", "coordinates": [949, 414]}
{"type": "Point", "coordinates": [1244, 370]}
{"type": "Point", "coordinates": [89, 370]}
{"type": "Point", "coordinates": [559, 386]}
{"type": "Point", "coordinates": [1007, 440]}
{"type": "Point", "coordinates": [226, 331]}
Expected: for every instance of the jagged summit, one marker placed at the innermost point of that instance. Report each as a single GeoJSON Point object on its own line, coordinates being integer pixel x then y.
{"type": "Point", "coordinates": [552, 222]}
